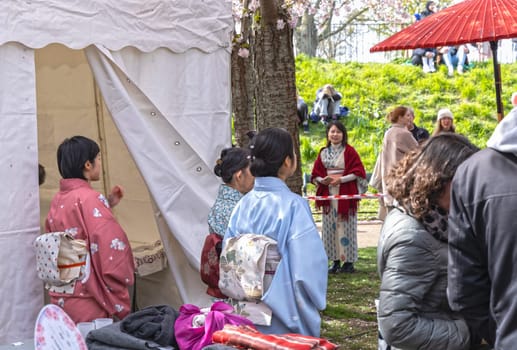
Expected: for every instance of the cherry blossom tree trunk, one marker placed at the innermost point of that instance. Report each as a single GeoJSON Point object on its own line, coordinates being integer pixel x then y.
{"type": "Point", "coordinates": [306, 36]}
{"type": "Point", "coordinates": [242, 97]}
{"type": "Point", "coordinates": [275, 83]}
{"type": "Point", "coordinates": [243, 86]}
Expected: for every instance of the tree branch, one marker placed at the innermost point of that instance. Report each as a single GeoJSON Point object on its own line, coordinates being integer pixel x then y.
{"type": "Point", "coordinates": [327, 33]}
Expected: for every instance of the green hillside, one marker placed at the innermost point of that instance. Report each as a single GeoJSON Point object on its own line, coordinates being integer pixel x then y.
{"type": "Point", "coordinates": [371, 90]}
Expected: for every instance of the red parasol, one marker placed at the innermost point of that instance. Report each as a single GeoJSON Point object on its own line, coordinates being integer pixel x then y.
{"type": "Point", "coordinates": [466, 22]}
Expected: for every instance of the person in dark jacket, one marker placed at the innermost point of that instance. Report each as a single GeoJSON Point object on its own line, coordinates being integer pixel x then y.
{"type": "Point", "coordinates": [430, 8]}
{"type": "Point", "coordinates": [303, 113]}
{"type": "Point", "coordinates": [412, 253]}
{"type": "Point", "coordinates": [483, 239]}
{"type": "Point", "coordinates": [420, 134]}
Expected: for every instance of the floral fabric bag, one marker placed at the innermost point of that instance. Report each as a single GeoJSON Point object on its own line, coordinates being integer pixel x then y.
{"type": "Point", "coordinates": [194, 326]}
{"type": "Point", "coordinates": [59, 258]}
{"type": "Point", "coordinates": [247, 266]}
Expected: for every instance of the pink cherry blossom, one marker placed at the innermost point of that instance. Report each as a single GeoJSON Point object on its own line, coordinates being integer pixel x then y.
{"type": "Point", "coordinates": [243, 52]}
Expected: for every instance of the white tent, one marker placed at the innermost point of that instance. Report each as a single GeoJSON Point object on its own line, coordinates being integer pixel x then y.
{"type": "Point", "coordinates": [149, 80]}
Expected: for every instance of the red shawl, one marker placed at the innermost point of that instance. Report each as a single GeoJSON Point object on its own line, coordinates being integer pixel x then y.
{"type": "Point", "coordinates": [353, 165]}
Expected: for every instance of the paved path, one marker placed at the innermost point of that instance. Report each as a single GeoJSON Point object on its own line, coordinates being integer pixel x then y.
{"type": "Point", "coordinates": [367, 233]}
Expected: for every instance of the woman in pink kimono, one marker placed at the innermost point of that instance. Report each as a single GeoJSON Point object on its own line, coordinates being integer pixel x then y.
{"type": "Point", "coordinates": [102, 289]}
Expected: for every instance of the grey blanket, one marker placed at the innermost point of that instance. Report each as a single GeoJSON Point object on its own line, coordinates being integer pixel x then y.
{"type": "Point", "coordinates": [155, 323]}
{"type": "Point", "coordinates": [112, 338]}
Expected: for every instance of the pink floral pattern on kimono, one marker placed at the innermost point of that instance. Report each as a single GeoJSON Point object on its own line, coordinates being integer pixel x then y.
{"type": "Point", "coordinates": [103, 290]}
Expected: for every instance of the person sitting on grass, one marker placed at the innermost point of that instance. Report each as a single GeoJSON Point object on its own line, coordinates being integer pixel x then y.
{"type": "Point", "coordinates": [327, 103]}
{"type": "Point", "coordinates": [303, 113]}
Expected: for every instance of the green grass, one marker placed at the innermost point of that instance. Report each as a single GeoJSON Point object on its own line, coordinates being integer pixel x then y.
{"type": "Point", "coordinates": [371, 90]}
{"type": "Point", "coordinates": [350, 317]}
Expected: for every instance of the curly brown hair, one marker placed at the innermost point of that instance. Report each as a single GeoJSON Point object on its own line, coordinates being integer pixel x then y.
{"type": "Point", "coordinates": [419, 179]}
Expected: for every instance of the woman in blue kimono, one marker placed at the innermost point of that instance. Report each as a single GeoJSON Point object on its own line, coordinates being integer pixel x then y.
{"type": "Point", "coordinates": [298, 290]}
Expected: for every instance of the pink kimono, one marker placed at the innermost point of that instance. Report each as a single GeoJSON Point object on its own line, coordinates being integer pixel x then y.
{"type": "Point", "coordinates": [103, 291]}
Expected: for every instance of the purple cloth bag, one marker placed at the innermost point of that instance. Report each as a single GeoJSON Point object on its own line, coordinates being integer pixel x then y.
{"type": "Point", "coordinates": [190, 337]}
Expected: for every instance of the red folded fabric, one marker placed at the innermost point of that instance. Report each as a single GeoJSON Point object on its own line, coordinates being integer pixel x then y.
{"type": "Point", "coordinates": [247, 337]}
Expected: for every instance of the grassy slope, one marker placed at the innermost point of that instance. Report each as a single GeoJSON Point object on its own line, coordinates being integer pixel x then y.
{"type": "Point", "coordinates": [370, 90]}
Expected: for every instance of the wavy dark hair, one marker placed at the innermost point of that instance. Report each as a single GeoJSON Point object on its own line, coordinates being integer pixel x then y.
{"type": "Point", "coordinates": [418, 180]}
{"type": "Point", "coordinates": [269, 148]}
{"type": "Point", "coordinates": [232, 160]}
{"type": "Point", "coordinates": [72, 155]}
{"type": "Point", "coordinates": [341, 127]}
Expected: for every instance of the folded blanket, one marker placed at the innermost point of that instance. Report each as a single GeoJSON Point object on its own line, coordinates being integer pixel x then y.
{"type": "Point", "coordinates": [247, 337]}
{"type": "Point", "coordinates": [154, 323]}
{"type": "Point", "coordinates": [112, 338]}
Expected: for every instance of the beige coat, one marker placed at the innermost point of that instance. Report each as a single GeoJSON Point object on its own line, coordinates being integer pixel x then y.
{"type": "Point", "coordinates": [398, 141]}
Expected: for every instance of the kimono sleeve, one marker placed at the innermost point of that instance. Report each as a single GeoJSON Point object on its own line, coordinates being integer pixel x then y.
{"type": "Point", "coordinates": [309, 273]}
{"type": "Point", "coordinates": [111, 256]}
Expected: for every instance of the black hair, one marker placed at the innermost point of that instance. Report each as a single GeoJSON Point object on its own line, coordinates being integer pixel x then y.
{"type": "Point", "coordinates": [269, 148]}
{"type": "Point", "coordinates": [72, 155]}
{"type": "Point", "coordinates": [341, 127]}
{"type": "Point", "coordinates": [42, 174]}
{"type": "Point", "coordinates": [231, 161]}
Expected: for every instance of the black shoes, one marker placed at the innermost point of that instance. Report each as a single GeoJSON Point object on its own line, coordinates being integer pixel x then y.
{"type": "Point", "coordinates": [347, 268]}
{"type": "Point", "coordinates": [335, 267]}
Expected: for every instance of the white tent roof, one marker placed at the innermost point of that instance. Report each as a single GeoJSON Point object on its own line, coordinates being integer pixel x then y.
{"type": "Point", "coordinates": [178, 25]}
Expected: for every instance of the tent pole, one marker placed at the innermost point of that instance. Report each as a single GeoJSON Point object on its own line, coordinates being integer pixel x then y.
{"type": "Point", "coordinates": [102, 138]}
{"type": "Point", "coordinates": [497, 78]}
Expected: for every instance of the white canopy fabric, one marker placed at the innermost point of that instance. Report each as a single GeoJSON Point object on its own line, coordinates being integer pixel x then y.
{"type": "Point", "coordinates": [178, 25]}
{"type": "Point", "coordinates": [20, 292]}
{"type": "Point", "coordinates": [166, 83]}
{"type": "Point", "coordinates": [173, 140]}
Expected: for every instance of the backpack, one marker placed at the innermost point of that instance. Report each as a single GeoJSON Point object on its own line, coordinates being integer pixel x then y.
{"type": "Point", "coordinates": [60, 260]}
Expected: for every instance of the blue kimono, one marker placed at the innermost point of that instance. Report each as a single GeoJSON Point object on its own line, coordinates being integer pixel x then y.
{"type": "Point", "coordinates": [299, 286]}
